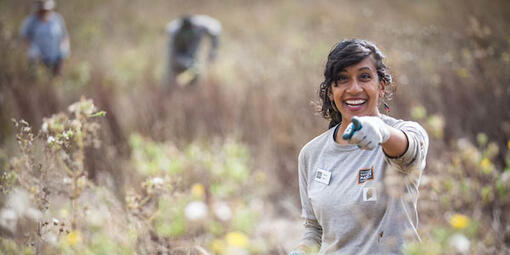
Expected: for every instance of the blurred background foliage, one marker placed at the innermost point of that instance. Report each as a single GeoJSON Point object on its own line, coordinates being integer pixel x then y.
{"type": "Point", "coordinates": [212, 169]}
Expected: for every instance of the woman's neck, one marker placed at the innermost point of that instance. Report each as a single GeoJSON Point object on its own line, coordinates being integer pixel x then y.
{"type": "Point", "coordinates": [341, 130]}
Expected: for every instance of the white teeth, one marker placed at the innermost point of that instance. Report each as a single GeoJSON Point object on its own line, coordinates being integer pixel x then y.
{"type": "Point", "coordinates": [355, 102]}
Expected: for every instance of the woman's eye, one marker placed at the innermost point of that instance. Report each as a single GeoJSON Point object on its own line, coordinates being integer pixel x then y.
{"type": "Point", "coordinates": [365, 77]}
{"type": "Point", "coordinates": [342, 78]}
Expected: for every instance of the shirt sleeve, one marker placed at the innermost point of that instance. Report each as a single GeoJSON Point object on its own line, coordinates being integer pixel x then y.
{"type": "Point", "coordinates": [65, 47]}
{"type": "Point", "coordinates": [414, 158]}
{"type": "Point", "coordinates": [62, 24]}
{"type": "Point", "coordinates": [313, 230]}
{"type": "Point", "coordinates": [212, 25]}
{"type": "Point", "coordinates": [313, 234]}
{"type": "Point", "coordinates": [26, 27]}
{"type": "Point", "coordinates": [213, 28]}
{"type": "Point", "coordinates": [306, 205]}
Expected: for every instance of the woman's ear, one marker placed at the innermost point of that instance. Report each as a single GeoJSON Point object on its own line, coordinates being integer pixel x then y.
{"type": "Point", "coordinates": [382, 87]}
{"type": "Point", "coordinates": [330, 95]}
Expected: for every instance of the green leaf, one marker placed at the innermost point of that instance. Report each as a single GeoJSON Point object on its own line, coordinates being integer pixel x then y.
{"type": "Point", "coordinates": [98, 114]}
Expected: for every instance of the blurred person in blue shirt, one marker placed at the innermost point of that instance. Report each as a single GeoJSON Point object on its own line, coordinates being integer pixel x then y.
{"type": "Point", "coordinates": [46, 35]}
{"type": "Point", "coordinates": [185, 35]}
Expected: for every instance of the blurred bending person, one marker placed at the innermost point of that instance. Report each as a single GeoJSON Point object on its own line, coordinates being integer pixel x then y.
{"type": "Point", "coordinates": [359, 180]}
{"type": "Point", "coordinates": [46, 35]}
{"type": "Point", "coordinates": [185, 36]}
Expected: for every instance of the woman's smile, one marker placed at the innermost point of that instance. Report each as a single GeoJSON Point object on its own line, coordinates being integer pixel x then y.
{"type": "Point", "coordinates": [354, 104]}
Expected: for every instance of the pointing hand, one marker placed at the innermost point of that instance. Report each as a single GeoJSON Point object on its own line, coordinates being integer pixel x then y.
{"type": "Point", "coordinates": [367, 132]}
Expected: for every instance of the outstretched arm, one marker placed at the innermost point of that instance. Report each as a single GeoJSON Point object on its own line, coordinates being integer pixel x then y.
{"type": "Point", "coordinates": [405, 144]}
{"type": "Point", "coordinates": [397, 143]}
{"type": "Point", "coordinates": [213, 29]}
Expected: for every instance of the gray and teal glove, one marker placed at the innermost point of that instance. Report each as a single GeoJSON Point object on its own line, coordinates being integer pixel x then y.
{"type": "Point", "coordinates": [297, 253]}
{"type": "Point", "coordinates": [367, 132]}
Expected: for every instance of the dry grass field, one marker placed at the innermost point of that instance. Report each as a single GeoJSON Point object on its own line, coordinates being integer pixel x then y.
{"type": "Point", "coordinates": [106, 160]}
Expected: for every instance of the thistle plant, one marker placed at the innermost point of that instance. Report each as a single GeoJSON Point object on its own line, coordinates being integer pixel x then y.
{"type": "Point", "coordinates": [57, 150]}
{"type": "Point", "coordinates": [67, 136]}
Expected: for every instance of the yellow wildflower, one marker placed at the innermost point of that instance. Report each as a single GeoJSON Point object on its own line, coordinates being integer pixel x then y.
{"type": "Point", "coordinates": [486, 165]}
{"type": "Point", "coordinates": [198, 190]}
{"type": "Point", "coordinates": [508, 144]}
{"type": "Point", "coordinates": [237, 239]}
{"type": "Point", "coordinates": [459, 221]}
{"type": "Point", "coordinates": [218, 246]}
{"type": "Point", "coordinates": [73, 237]}
{"type": "Point", "coordinates": [34, 190]}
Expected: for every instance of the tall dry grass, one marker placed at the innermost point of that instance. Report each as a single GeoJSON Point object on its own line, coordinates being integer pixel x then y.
{"type": "Point", "coordinates": [449, 59]}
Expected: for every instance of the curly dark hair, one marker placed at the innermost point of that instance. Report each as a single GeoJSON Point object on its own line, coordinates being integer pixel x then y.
{"type": "Point", "coordinates": [347, 53]}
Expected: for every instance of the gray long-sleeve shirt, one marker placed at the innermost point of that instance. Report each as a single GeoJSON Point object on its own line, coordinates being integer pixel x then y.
{"type": "Point", "coordinates": [368, 205]}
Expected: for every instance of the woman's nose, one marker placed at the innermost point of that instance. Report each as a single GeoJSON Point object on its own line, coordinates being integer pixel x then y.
{"type": "Point", "coordinates": [354, 87]}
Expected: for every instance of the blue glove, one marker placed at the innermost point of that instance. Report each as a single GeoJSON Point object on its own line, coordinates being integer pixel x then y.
{"type": "Point", "coordinates": [367, 132]}
{"type": "Point", "coordinates": [297, 253]}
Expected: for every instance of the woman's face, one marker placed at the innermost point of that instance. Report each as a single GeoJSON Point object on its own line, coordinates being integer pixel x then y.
{"type": "Point", "coordinates": [357, 91]}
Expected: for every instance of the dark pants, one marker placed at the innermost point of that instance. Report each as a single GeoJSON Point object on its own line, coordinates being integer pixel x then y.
{"type": "Point", "coordinates": [53, 65]}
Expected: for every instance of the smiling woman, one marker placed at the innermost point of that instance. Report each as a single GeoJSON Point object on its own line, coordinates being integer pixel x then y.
{"type": "Point", "coordinates": [369, 66]}
{"type": "Point", "coordinates": [344, 198]}
{"type": "Point", "coordinates": [357, 90]}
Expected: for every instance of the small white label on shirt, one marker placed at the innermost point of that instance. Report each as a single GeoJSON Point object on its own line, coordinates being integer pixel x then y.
{"type": "Point", "coordinates": [323, 176]}
{"type": "Point", "coordinates": [369, 194]}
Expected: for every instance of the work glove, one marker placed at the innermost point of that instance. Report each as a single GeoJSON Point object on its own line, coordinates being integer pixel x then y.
{"type": "Point", "coordinates": [367, 132]}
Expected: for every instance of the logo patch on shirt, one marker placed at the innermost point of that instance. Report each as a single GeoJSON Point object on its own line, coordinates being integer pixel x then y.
{"type": "Point", "coordinates": [365, 174]}
{"type": "Point", "coordinates": [369, 194]}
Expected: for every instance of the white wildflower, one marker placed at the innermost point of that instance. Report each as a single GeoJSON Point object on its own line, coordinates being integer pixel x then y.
{"type": "Point", "coordinates": [157, 181]}
{"type": "Point", "coordinates": [50, 140]}
{"type": "Point", "coordinates": [67, 134]}
{"type": "Point", "coordinates": [222, 211]}
{"type": "Point", "coordinates": [460, 243]}
{"type": "Point", "coordinates": [44, 127]}
{"type": "Point", "coordinates": [66, 180]}
{"type": "Point", "coordinates": [196, 210]}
